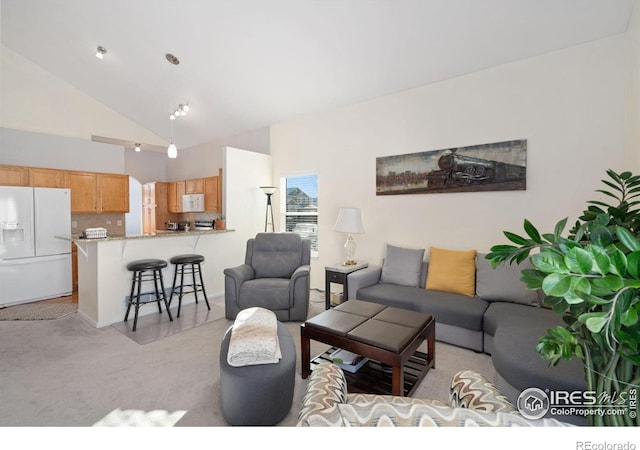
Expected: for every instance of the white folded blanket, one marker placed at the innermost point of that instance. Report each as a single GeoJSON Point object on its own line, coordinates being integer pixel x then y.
{"type": "Point", "coordinates": [254, 338]}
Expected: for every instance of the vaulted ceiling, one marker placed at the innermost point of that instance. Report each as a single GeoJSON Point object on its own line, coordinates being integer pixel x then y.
{"type": "Point", "coordinates": [246, 64]}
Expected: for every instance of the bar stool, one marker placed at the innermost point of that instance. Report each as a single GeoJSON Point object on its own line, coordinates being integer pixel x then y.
{"type": "Point", "coordinates": [146, 270]}
{"type": "Point", "coordinates": [188, 265]}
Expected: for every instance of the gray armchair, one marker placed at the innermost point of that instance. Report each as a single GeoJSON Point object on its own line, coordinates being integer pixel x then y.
{"type": "Point", "coordinates": [275, 276]}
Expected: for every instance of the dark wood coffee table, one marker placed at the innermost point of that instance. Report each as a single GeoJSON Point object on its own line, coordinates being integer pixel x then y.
{"type": "Point", "coordinates": [388, 336]}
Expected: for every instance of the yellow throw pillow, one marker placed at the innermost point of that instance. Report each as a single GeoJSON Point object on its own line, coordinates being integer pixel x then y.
{"type": "Point", "coordinates": [452, 271]}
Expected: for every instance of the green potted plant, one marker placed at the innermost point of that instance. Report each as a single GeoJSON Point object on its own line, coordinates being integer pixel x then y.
{"type": "Point", "coordinates": [592, 277]}
{"type": "Point", "coordinates": [220, 223]}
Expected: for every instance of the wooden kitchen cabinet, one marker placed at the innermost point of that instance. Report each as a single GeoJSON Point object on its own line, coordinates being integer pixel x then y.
{"type": "Point", "coordinates": [14, 176]}
{"type": "Point", "coordinates": [155, 207]}
{"type": "Point", "coordinates": [84, 191]}
{"type": "Point", "coordinates": [52, 178]}
{"type": "Point", "coordinates": [175, 191]}
{"type": "Point", "coordinates": [195, 186]}
{"type": "Point", "coordinates": [93, 192]}
{"type": "Point", "coordinates": [114, 193]}
{"type": "Point", "coordinates": [212, 194]}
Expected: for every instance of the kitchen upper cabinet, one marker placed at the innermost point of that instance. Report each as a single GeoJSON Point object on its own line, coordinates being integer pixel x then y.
{"type": "Point", "coordinates": [211, 187]}
{"type": "Point", "coordinates": [98, 192]}
{"type": "Point", "coordinates": [84, 191]}
{"type": "Point", "coordinates": [212, 194]}
{"type": "Point", "coordinates": [175, 191]}
{"type": "Point", "coordinates": [114, 193]}
{"type": "Point", "coordinates": [195, 186]}
{"type": "Point", "coordinates": [14, 176]}
{"type": "Point", "coordinates": [51, 178]}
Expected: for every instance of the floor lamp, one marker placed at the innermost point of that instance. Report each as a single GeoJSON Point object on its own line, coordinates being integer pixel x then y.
{"type": "Point", "coordinates": [268, 190]}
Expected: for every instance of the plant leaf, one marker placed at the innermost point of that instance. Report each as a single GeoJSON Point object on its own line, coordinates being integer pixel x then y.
{"type": "Point", "coordinates": [607, 193]}
{"type": "Point", "coordinates": [516, 239]}
{"type": "Point", "coordinates": [628, 239]}
{"type": "Point", "coordinates": [556, 284]}
{"type": "Point", "coordinates": [614, 186]}
{"type": "Point", "coordinates": [596, 324]}
{"type": "Point", "coordinates": [601, 236]}
{"type": "Point", "coordinates": [579, 260]}
{"type": "Point", "coordinates": [629, 317]}
{"type": "Point", "coordinates": [532, 278]}
{"type": "Point", "coordinates": [633, 264]}
{"type": "Point", "coordinates": [549, 262]}
{"type": "Point", "coordinates": [610, 282]}
{"type": "Point", "coordinates": [601, 261]}
{"type": "Point", "coordinates": [618, 262]}
{"type": "Point", "coordinates": [532, 232]}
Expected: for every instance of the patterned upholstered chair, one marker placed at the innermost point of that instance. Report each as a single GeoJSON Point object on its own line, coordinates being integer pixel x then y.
{"type": "Point", "coordinates": [474, 401]}
{"type": "Point", "coordinates": [275, 276]}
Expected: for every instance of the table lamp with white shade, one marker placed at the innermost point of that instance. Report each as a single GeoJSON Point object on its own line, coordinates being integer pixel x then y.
{"type": "Point", "coordinates": [350, 222]}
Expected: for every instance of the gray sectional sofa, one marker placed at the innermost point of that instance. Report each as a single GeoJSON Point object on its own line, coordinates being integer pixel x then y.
{"type": "Point", "coordinates": [502, 319]}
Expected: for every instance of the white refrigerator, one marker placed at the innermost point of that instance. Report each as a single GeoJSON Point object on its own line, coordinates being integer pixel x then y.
{"type": "Point", "coordinates": [34, 264]}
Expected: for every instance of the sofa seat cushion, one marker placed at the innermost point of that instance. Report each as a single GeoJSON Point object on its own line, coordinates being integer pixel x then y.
{"type": "Point", "coordinates": [516, 331]}
{"type": "Point", "coordinates": [453, 309]}
{"type": "Point", "coordinates": [270, 293]}
{"type": "Point", "coordinates": [538, 320]}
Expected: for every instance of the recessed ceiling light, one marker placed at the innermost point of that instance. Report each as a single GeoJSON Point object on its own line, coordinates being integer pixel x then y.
{"type": "Point", "coordinates": [172, 59]}
{"type": "Point", "coordinates": [100, 52]}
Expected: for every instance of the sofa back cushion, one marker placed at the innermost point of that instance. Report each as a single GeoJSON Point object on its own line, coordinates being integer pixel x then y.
{"type": "Point", "coordinates": [452, 271]}
{"type": "Point", "coordinates": [402, 266]}
{"type": "Point", "coordinates": [503, 284]}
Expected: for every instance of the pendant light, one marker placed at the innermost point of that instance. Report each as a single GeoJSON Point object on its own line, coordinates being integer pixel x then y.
{"type": "Point", "coordinates": [172, 150]}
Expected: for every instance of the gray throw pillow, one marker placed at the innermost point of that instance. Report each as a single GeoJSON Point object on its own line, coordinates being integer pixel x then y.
{"type": "Point", "coordinates": [402, 266]}
{"type": "Point", "coordinates": [503, 284]}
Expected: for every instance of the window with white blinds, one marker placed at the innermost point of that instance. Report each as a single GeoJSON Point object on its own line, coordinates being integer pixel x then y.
{"type": "Point", "coordinates": [301, 207]}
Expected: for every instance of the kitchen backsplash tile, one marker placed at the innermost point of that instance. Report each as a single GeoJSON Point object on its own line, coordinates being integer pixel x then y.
{"type": "Point", "coordinates": [114, 223]}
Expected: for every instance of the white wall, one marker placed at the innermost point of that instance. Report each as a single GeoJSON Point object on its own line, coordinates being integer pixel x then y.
{"type": "Point", "coordinates": [243, 201]}
{"type": "Point", "coordinates": [205, 160]}
{"type": "Point", "coordinates": [36, 100]}
{"type": "Point", "coordinates": [146, 166]}
{"type": "Point", "coordinates": [569, 105]}
{"type": "Point", "coordinates": [633, 91]}
{"type": "Point", "coordinates": [25, 148]}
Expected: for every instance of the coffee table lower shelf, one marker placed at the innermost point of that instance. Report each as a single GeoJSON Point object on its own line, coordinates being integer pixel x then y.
{"type": "Point", "coordinates": [375, 377]}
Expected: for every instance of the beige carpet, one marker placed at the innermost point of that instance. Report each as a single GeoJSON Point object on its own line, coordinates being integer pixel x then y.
{"type": "Point", "coordinates": [69, 373]}
{"type": "Point", "coordinates": [38, 311]}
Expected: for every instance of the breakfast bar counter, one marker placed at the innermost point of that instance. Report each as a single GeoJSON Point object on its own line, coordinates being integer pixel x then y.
{"type": "Point", "coordinates": [104, 282]}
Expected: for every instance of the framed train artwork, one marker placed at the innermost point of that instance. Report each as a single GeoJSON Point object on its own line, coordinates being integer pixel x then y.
{"type": "Point", "coordinates": [499, 166]}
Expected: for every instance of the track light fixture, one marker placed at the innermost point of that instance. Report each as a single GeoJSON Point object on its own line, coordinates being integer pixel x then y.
{"type": "Point", "coordinates": [180, 111]}
{"type": "Point", "coordinates": [100, 52]}
{"type": "Point", "coordinates": [137, 147]}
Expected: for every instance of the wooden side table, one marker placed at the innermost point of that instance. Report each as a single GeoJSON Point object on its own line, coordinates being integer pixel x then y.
{"type": "Point", "coordinates": [338, 274]}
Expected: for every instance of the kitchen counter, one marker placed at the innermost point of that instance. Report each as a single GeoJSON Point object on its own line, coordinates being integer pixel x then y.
{"type": "Point", "coordinates": [157, 234]}
{"type": "Point", "coordinates": [104, 283]}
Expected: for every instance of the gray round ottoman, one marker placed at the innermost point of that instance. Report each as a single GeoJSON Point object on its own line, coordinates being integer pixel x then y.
{"type": "Point", "coordinates": [258, 395]}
